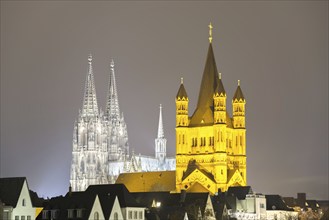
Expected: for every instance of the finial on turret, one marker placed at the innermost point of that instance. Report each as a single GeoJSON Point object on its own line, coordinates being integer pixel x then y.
{"type": "Point", "coordinates": [220, 75]}
{"type": "Point", "coordinates": [210, 32]}
{"type": "Point", "coordinates": [238, 82]}
{"type": "Point", "coordinates": [90, 58]}
{"type": "Point", "coordinates": [181, 80]}
{"type": "Point", "coordinates": [112, 63]}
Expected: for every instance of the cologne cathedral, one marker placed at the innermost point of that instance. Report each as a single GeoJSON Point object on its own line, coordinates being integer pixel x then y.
{"type": "Point", "coordinates": [100, 141]}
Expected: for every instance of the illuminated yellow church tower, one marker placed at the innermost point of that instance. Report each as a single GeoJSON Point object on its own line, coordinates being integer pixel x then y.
{"type": "Point", "coordinates": [210, 145]}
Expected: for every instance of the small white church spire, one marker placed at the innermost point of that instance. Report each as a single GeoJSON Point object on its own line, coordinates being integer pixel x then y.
{"type": "Point", "coordinates": [160, 144]}
{"type": "Point", "coordinates": [160, 128]}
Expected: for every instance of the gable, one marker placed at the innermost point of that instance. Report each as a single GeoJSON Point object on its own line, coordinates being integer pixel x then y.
{"type": "Point", "coordinates": [10, 189]}
{"type": "Point", "coordinates": [198, 181]}
{"type": "Point", "coordinates": [236, 179]}
{"type": "Point", "coordinates": [116, 210]}
{"type": "Point", "coordinates": [24, 198]}
{"type": "Point", "coordinates": [96, 210]}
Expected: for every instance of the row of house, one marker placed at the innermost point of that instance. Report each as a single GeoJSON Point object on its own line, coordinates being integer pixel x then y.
{"type": "Point", "coordinates": [115, 202]}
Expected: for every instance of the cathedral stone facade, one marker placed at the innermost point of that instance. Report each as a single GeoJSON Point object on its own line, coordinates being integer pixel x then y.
{"type": "Point", "coordinates": [100, 141]}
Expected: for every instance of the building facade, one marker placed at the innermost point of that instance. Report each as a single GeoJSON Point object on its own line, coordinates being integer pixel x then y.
{"type": "Point", "coordinates": [210, 145]}
{"type": "Point", "coordinates": [15, 199]}
{"type": "Point", "coordinates": [100, 141]}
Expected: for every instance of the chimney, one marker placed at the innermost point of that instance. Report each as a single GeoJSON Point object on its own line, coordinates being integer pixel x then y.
{"type": "Point", "coordinates": [70, 190]}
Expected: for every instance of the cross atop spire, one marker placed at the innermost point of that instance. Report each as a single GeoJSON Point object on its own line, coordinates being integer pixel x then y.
{"type": "Point", "coordinates": [112, 103]}
{"type": "Point", "coordinates": [210, 32]}
{"type": "Point", "coordinates": [160, 128]}
{"type": "Point", "coordinates": [90, 107]}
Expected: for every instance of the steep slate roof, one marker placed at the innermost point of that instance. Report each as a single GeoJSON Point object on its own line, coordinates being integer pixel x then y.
{"type": "Point", "coordinates": [85, 200]}
{"type": "Point", "coordinates": [160, 181]}
{"type": "Point", "coordinates": [239, 191]}
{"type": "Point", "coordinates": [220, 87]}
{"type": "Point", "coordinates": [290, 201]}
{"type": "Point", "coordinates": [210, 81]}
{"type": "Point", "coordinates": [173, 205]}
{"type": "Point", "coordinates": [181, 92]}
{"type": "Point", "coordinates": [10, 189]}
{"type": "Point", "coordinates": [313, 204]}
{"type": "Point", "coordinates": [238, 95]}
{"type": "Point", "coordinates": [220, 205]}
{"type": "Point", "coordinates": [119, 190]}
{"type": "Point", "coordinates": [36, 200]}
{"type": "Point", "coordinates": [75, 200]}
{"type": "Point", "coordinates": [275, 202]}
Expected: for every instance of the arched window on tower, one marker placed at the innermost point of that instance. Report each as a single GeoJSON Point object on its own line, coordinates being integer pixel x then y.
{"type": "Point", "coordinates": [115, 216]}
{"type": "Point", "coordinates": [96, 216]}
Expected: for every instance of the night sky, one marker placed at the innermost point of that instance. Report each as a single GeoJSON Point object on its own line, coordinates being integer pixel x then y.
{"type": "Point", "coordinates": [279, 51]}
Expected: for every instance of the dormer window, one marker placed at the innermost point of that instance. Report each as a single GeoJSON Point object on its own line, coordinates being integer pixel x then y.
{"type": "Point", "coordinates": [70, 213]}
{"type": "Point", "coordinates": [54, 214]}
{"type": "Point", "coordinates": [45, 214]}
{"type": "Point", "coordinates": [79, 213]}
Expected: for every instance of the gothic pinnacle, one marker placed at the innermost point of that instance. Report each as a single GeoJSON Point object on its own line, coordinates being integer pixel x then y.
{"type": "Point", "coordinates": [210, 32]}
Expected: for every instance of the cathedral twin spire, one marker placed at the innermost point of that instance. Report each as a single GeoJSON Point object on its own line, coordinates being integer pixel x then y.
{"type": "Point", "coordinates": [90, 106]}
{"type": "Point", "coordinates": [112, 103]}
